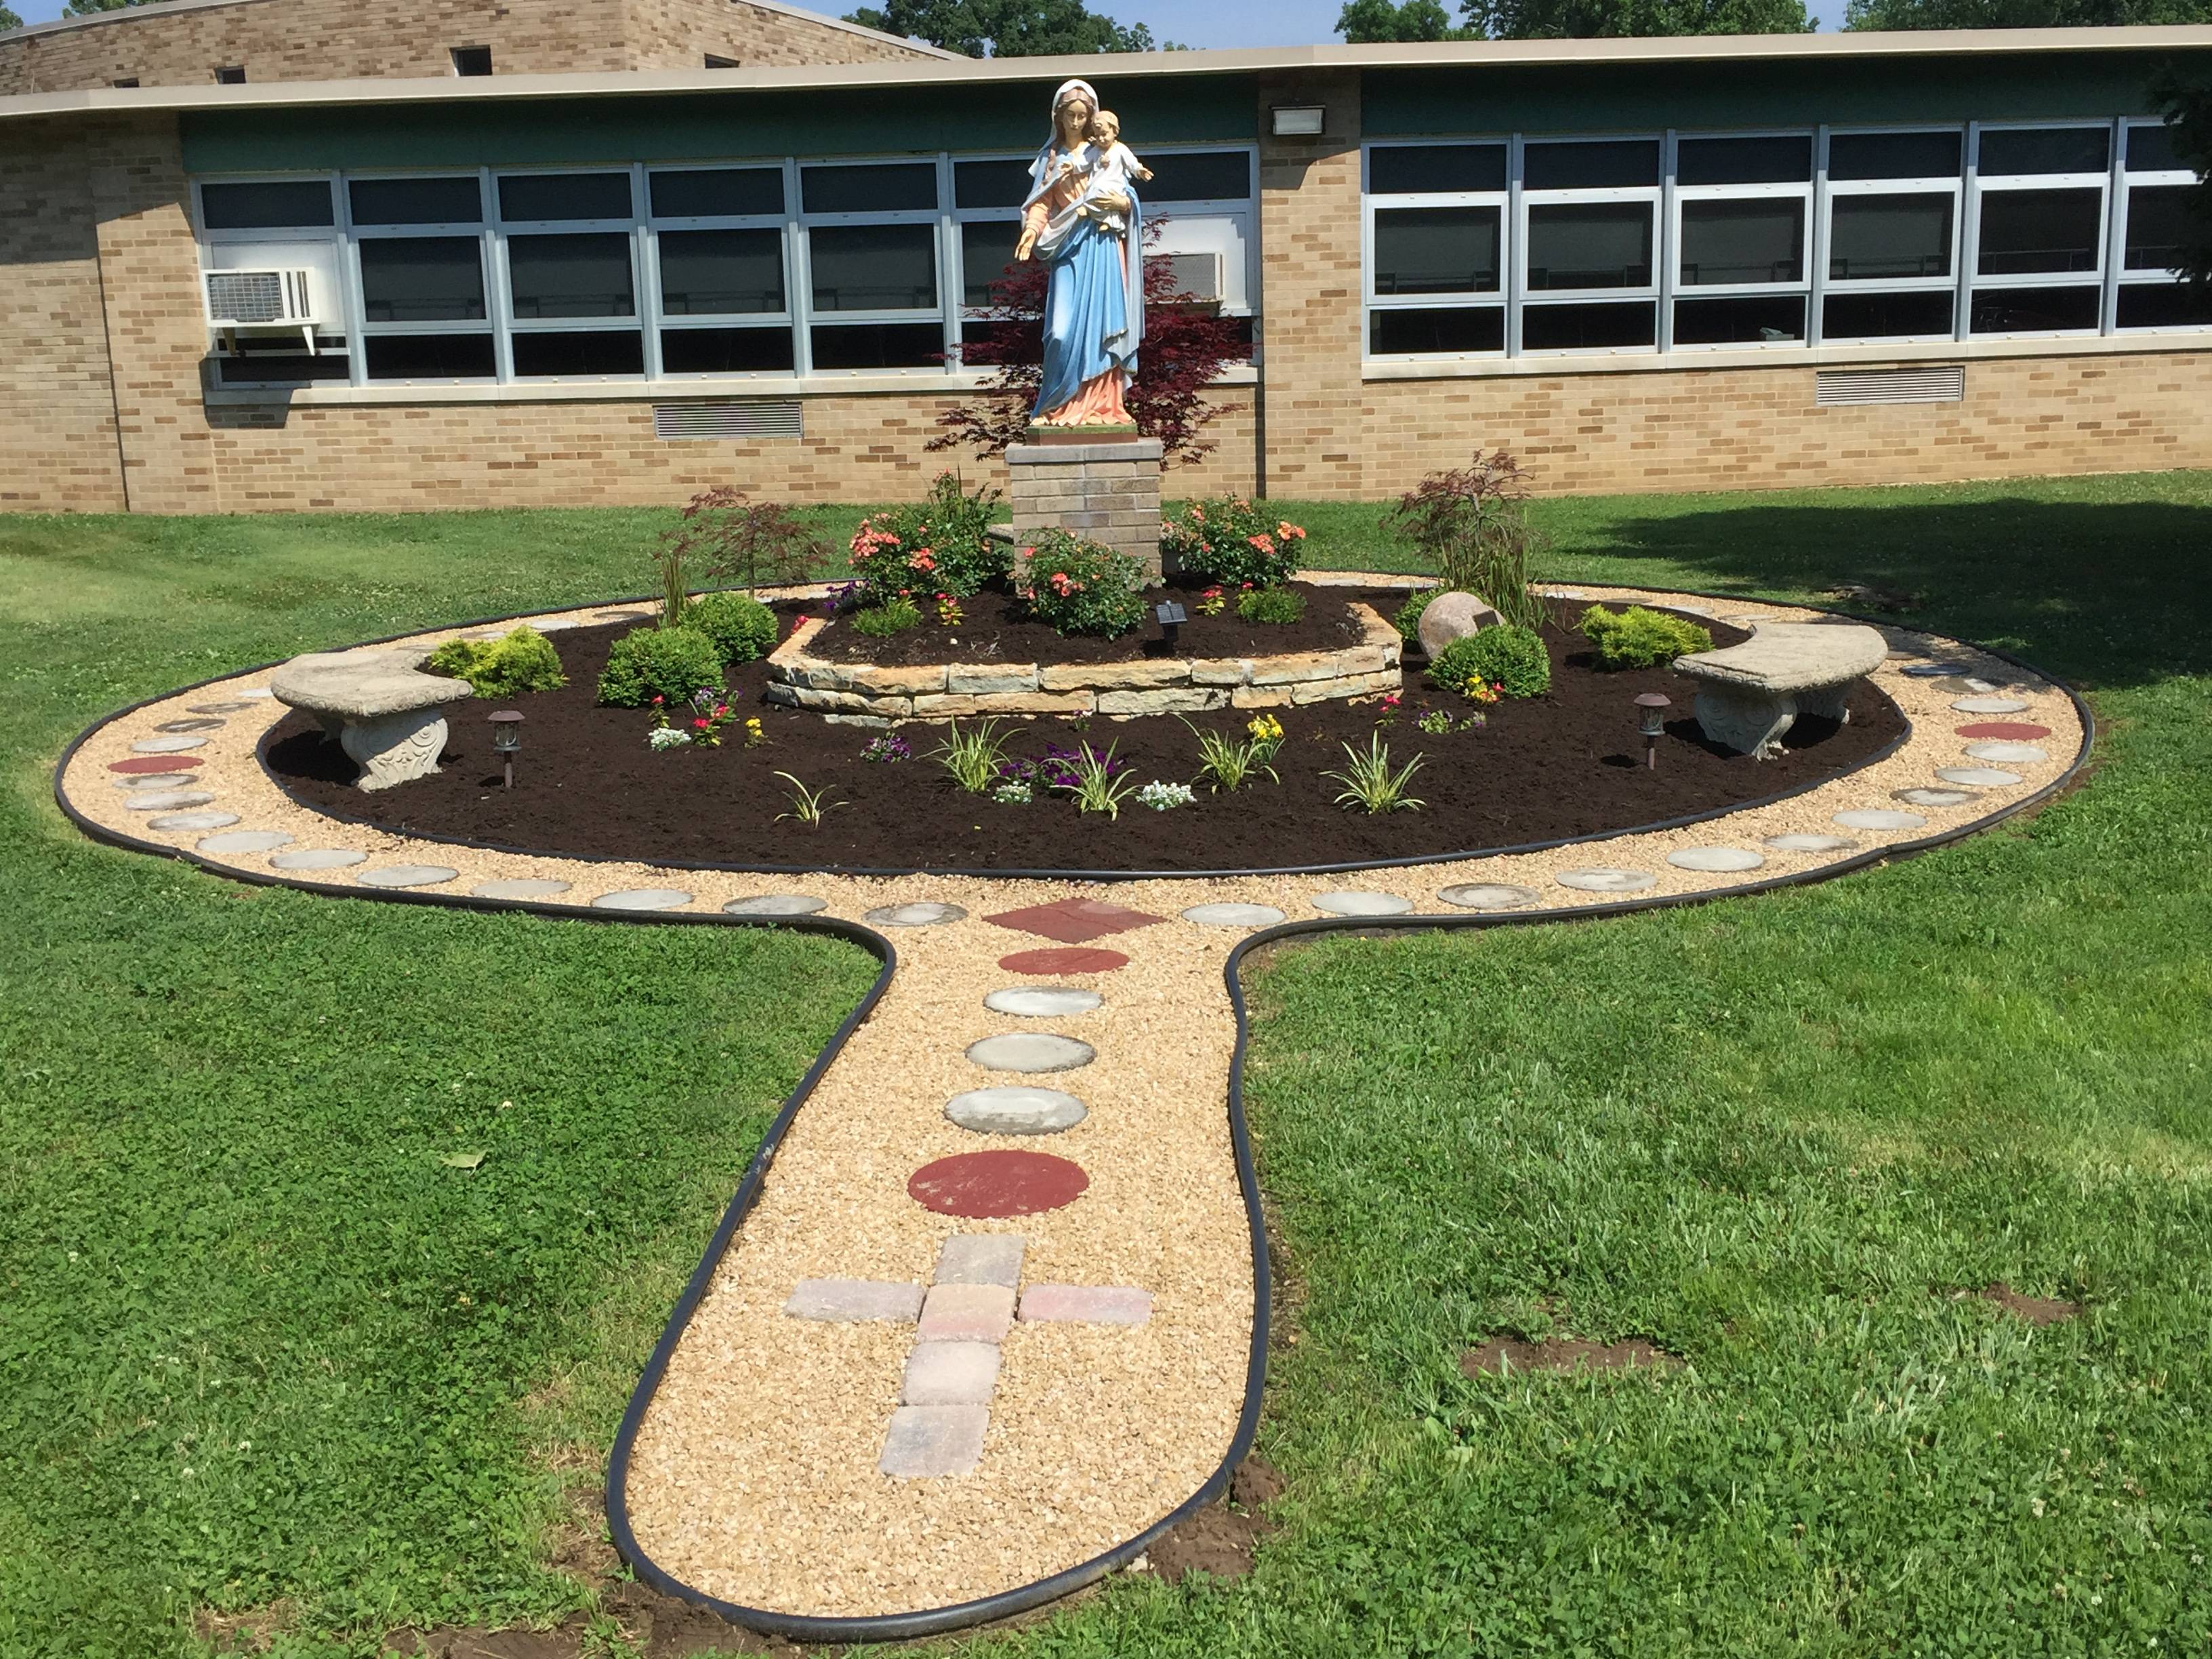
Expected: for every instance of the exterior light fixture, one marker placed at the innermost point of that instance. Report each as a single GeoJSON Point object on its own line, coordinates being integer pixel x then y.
{"type": "Point", "coordinates": [507, 739]}
{"type": "Point", "coordinates": [1170, 616]}
{"type": "Point", "coordinates": [1299, 121]}
{"type": "Point", "coordinates": [1651, 719]}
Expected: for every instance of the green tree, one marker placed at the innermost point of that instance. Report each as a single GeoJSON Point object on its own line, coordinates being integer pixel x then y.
{"type": "Point", "coordinates": [93, 8]}
{"type": "Point", "coordinates": [2189, 116]}
{"type": "Point", "coordinates": [8, 20]}
{"type": "Point", "coordinates": [1007, 28]}
{"type": "Point", "coordinates": [1367, 22]}
{"type": "Point", "coordinates": [2020, 13]}
{"type": "Point", "coordinates": [1579, 19]}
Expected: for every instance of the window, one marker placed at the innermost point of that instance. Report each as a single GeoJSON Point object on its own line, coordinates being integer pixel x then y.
{"type": "Point", "coordinates": [266, 206]}
{"type": "Point", "coordinates": [571, 252]}
{"type": "Point", "coordinates": [1439, 244]}
{"type": "Point", "coordinates": [231, 75]}
{"type": "Point", "coordinates": [716, 61]}
{"type": "Point", "coordinates": [2039, 204]}
{"type": "Point", "coordinates": [1743, 209]}
{"type": "Point", "coordinates": [1893, 208]}
{"type": "Point", "coordinates": [421, 252]}
{"type": "Point", "coordinates": [127, 82]}
{"type": "Point", "coordinates": [723, 271]}
{"type": "Point", "coordinates": [872, 235]}
{"type": "Point", "coordinates": [1589, 228]}
{"type": "Point", "coordinates": [472, 60]}
{"type": "Point", "coordinates": [2156, 223]}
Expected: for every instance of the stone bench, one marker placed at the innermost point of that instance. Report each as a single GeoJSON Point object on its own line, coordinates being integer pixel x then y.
{"type": "Point", "coordinates": [1750, 695]}
{"type": "Point", "coordinates": [384, 711]}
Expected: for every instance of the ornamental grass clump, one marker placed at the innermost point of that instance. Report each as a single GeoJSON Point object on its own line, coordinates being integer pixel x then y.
{"type": "Point", "coordinates": [741, 626]}
{"type": "Point", "coordinates": [1272, 607]}
{"type": "Point", "coordinates": [1077, 586]}
{"type": "Point", "coordinates": [1369, 783]}
{"type": "Point", "coordinates": [1641, 638]}
{"type": "Point", "coordinates": [1230, 541]}
{"type": "Point", "coordinates": [1473, 525]}
{"type": "Point", "coordinates": [520, 660]}
{"type": "Point", "coordinates": [669, 663]}
{"type": "Point", "coordinates": [1225, 763]}
{"type": "Point", "coordinates": [975, 758]}
{"type": "Point", "coordinates": [1095, 781]}
{"type": "Point", "coordinates": [1512, 660]}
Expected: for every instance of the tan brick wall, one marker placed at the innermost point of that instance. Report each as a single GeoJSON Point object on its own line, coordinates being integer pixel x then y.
{"type": "Point", "coordinates": [340, 39]}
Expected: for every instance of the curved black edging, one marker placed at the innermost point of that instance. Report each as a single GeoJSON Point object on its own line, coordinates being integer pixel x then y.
{"type": "Point", "coordinates": [935, 1620]}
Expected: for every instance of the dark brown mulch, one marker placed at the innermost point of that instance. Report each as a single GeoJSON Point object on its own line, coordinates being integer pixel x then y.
{"type": "Point", "coordinates": [1503, 1355]}
{"type": "Point", "coordinates": [995, 628]}
{"type": "Point", "coordinates": [1565, 764]}
{"type": "Point", "coordinates": [2035, 1309]}
{"type": "Point", "coordinates": [1219, 1540]}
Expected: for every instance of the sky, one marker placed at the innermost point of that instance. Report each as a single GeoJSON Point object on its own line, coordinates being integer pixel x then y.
{"type": "Point", "coordinates": [1207, 23]}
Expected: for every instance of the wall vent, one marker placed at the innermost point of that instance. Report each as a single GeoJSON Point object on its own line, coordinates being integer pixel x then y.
{"type": "Point", "coordinates": [755, 417]}
{"type": "Point", "coordinates": [1947, 385]}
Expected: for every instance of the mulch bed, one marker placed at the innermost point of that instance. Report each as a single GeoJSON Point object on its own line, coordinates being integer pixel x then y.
{"type": "Point", "coordinates": [1562, 765]}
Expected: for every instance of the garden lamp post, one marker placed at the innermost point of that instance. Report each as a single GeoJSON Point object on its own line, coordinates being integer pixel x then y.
{"type": "Point", "coordinates": [1651, 719]}
{"type": "Point", "coordinates": [507, 740]}
{"type": "Point", "coordinates": [1170, 616]}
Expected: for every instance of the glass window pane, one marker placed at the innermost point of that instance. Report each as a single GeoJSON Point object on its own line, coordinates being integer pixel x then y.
{"type": "Point", "coordinates": [429, 356]}
{"type": "Point", "coordinates": [2046, 149]}
{"type": "Point", "coordinates": [415, 201]}
{"type": "Point", "coordinates": [1585, 328]}
{"type": "Point", "coordinates": [1758, 240]}
{"type": "Point", "coordinates": [2165, 305]}
{"type": "Point", "coordinates": [2041, 230]}
{"type": "Point", "coordinates": [1609, 163]}
{"type": "Point", "coordinates": [2159, 225]}
{"type": "Point", "coordinates": [1888, 316]}
{"type": "Point", "coordinates": [1896, 154]}
{"type": "Point", "coordinates": [2150, 150]}
{"type": "Point", "coordinates": [1786, 160]}
{"type": "Point", "coordinates": [580, 354]}
{"type": "Point", "coordinates": [1453, 329]}
{"type": "Point", "coordinates": [878, 345]}
{"type": "Point", "coordinates": [1590, 244]}
{"type": "Point", "coordinates": [422, 279]}
{"type": "Point", "coordinates": [990, 184]}
{"type": "Point", "coordinates": [570, 276]}
{"type": "Point", "coordinates": [564, 196]}
{"type": "Point", "coordinates": [261, 207]}
{"type": "Point", "coordinates": [715, 272]}
{"type": "Point", "coordinates": [290, 367]}
{"type": "Point", "coordinates": [716, 192]}
{"type": "Point", "coordinates": [1202, 175]}
{"type": "Point", "coordinates": [1752, 319]}
{"type": "Point", "coordinates": [874, 267]}
{"type": "Point", "coordinates": [882, 188]}
{"type": "Point", "coordinates": [1401, 169]}
{"type": "Point", "coordinates": [1436, 250]}
{"type": "Point", "coordinates": [1877, 237]}
{"type": "Point", "coordinates": [725, 350]}
{"type": "Point", "coordinates": [986, 248]}
{"type": "Point", "coordinates": [2033, 310]}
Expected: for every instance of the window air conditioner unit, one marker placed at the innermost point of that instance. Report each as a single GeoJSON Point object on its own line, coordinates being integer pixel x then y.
{"type": "Point", "coordinates": [262, 301]}
{"type": "Point", "coordinates": [1198, 275]}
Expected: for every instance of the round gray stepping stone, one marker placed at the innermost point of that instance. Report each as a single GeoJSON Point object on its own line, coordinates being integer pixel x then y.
{"type": "Point", "coordinates": [551, 624]}
{"type": "Point", "coordinates": [1357, 903]}
{"type": "Point", "coordinates": [163, 800]}
{"type": "Point", "coordinates": [1932, 797]}
{"type": "Point", "coordinates": [2025, 753]}
{"type": "Point", "coordinates": [775, 904]}
{"type": "Point", "coordinates": [925, 913]}
{"type": "Point", "coordinates": [1030, 1051]}
{"type": "Point", "coordinates": [623, 615]}
{"type": "Point", "coordinates": [155, 781]}
{"type": "Point", "coordinates": [1041, 1001]}
{"type": "Point", "coordinates": [1489, 896]}
{"type": "Point", "coordinates": [1879, 817]}
{"type": "Point", "coordinates": [1936, 671]}
{"type": "Point", "coordinates": [232, 707]}
{"type": "Point", "coordinates": [1981, 777]}
{"type": "Point", "coordinates": [1744, 620]}
{"type": "Point", "coordinates": [406, 875]}
{"type": "Point", "coordinates": [1233, 916]}
{"type": "Point", "coordinates": [1799, 841]}
{"type": "Point", "coordinates": [1716, 860]}
{"type": "Point", "coordinates": [519, 887]}
{"type": "Point", "coordinates": [1607, 880]}
{"type": "Point", "coordinates": [259, 693]}
{"type": "Point", "coordinates": [206, 723]}
{"type": "Point", "coordinates": [194, 821]}
{"type": "Point", "coordinates": [1989, 705]}
{"type": "Point", "coordinates": [174, 744]}
{"type": "Point", "coordinates": [247, 841]}
{"type": "Point", "coordinates": [1016, 1111]}
{"type": "Point", "coordinates": [1966, 686]}
{"type": "Point", "coordinates": [643, 898]}
{"type": "Point", "coordinates": [317, 857]}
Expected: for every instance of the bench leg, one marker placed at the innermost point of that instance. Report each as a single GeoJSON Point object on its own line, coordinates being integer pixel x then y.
{"type": "Point", "coordinates": [1826, 702]}
{"type": "Point", "coordinates": [1749, 723]}
{"type": "Point", "coordinates": [395, 747]}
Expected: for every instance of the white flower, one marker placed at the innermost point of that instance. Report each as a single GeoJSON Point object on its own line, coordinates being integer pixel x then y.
{"type": "Point", "coordinates": [667, 737]}
{"type": "Point", "coordinates": [1161, 796]}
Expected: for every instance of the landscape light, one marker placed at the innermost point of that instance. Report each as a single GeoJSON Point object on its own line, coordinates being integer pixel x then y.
{"type": "Point", "coordinates": [1652, 707]}
{"type": "Point", "coordinates": [507, 739]}
{"type": "Point", "coordinates": [1170, 616]}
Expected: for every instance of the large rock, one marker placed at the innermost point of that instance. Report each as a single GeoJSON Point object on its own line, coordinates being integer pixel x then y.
{"type": "Point", "coordinates": [1454, 617]}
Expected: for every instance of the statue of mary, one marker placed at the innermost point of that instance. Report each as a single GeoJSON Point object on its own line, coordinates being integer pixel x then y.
{"type": "Point", "coordinates": [1083, 218]}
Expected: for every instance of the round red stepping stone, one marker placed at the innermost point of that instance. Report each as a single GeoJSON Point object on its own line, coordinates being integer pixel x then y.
{"type": "Point", "coordinates": [1064, 959]}
{"type": "Point", "coordinates": [2020, 731]}
{"type": "Point", "coordinates": [152, 762]}
{"type": "Point", "coordinates": [983, 1186]}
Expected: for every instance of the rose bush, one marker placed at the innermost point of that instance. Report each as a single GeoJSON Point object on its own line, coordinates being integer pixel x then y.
{"type": "Point", "coordinates": [1077, 586]}
{"type": "Point", "coordinates": [1231, 542]}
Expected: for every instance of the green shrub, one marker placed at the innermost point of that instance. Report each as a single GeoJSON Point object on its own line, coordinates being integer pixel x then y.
{"type": "Point", "coordinates": [1408, 619]}
{"type": "Point", "coordinates": [1641, 638]}
{"type": "Point", "coordinates": [659, 662]}
{"type": "Point", "coordinates": [1511, 658]}
{"type": "Point", "coordinates": [1077, 586]}
{"type": "Point", "coordinates": [1230, 541]}
{"type": "Point", "coordinates": [520, 660]}
{"type": "Point", "coordinates": [1276, 606]}
{"type": "Point", "coordinates": [741, 626]}
{"type": "Point", "coordinates": [894, 616]}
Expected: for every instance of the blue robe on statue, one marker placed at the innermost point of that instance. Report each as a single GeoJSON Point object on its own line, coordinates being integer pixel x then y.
{"type": "Point", "coordinates": [1094, 313]}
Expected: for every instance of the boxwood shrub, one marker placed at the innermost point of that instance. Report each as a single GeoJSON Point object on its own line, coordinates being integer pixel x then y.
{"type": "Point", "coordinates": [659, 662]}
{"type": "Point", "coordinates": [1511, 658]}
{"type": "Point", "coordinates": [738, 623]}
{"type": "Point", "coordinates": [1641, 638]}
{"type": "Point", "coordinates": [521, 661]}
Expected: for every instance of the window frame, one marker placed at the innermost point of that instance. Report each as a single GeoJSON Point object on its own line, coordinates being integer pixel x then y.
{"type": "Point", "coordinates": [784, 224]}
{"type": "Point", "coordinates": [1509, 245]}
{"type": "Point", "coordinates": [1658, 291]}
{"type": "Point", "coordinates": [1832, 190]}
{"type": "Point", "coordinates": [337, 335]}
{"type": "Point", "coordinates": [1680, 196]}
{"type": "Point", "coordinates": [1972, 283]}
{"type": "Point", "coordinates": [2125, 182]}
{"type": "Point", "coordinates": [490, 266]}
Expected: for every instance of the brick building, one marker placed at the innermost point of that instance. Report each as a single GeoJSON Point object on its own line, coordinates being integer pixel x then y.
{"type": "Point", "coordinates": [608, 273]}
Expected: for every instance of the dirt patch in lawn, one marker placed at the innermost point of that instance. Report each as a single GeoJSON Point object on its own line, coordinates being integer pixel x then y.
{"type": "Point", "coordinates": [2035, 1309]}
{"type": "Point", "coordinates": [1503, 1355]}
{"type": "Point", "coordinates": [1219, 1540]}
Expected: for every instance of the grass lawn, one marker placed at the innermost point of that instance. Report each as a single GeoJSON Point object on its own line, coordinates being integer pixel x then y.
{"type": "Point", "coordinates": [258, 1343]}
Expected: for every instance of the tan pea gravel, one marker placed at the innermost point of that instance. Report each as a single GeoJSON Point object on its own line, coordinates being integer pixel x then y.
{"type": "Point", "coordinates": [754, 1476]}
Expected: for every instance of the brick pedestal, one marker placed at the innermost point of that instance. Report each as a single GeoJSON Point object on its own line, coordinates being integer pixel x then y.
{"type": "Point", "coordinates": [1107, 492]}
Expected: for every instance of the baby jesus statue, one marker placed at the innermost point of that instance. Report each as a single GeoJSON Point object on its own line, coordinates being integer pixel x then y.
{"type": "Point", "coordinates": [1101, 170]}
